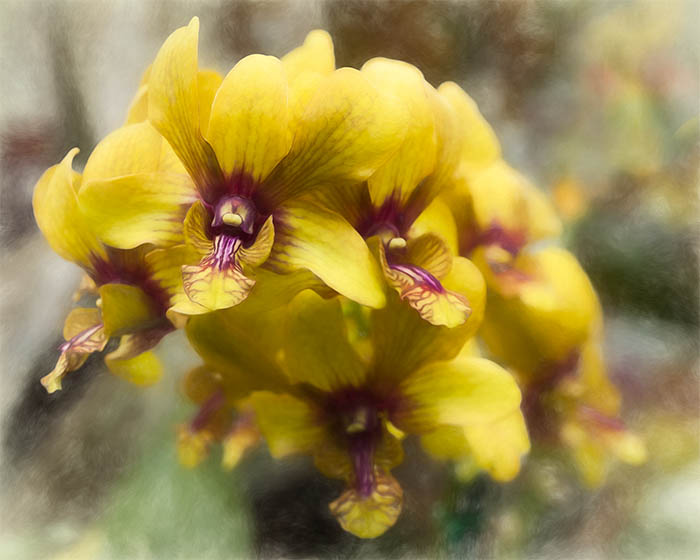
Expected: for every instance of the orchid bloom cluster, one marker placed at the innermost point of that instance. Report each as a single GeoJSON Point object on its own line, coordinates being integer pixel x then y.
{"type": "Point", "coordinates": [327, 239]}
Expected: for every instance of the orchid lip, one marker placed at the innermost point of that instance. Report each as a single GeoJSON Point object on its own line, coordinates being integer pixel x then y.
{"type": "Point", "coordinates": [225, 249]}
{"type": "Point", "coordinates": [420, 276]}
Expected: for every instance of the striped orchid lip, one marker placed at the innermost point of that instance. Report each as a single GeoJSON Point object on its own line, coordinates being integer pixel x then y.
{"type": "Point", "coordinates": [420, 276]}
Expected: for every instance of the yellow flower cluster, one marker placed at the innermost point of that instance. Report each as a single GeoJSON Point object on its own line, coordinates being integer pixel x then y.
{"type": "Point", "coordinates": [327, 238]}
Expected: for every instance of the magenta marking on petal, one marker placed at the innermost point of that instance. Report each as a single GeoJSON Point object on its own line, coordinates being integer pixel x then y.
{"type": "Point", "coordinates": [420, 276]}
{"type": "Point", "coordinates": [79, 338]}
{"type": "Point", "coordinates": [224, 254]}
{"type": "Point", "coordinates": [208, 408]}
{"type": "Point", "coordinates": [601, 420]}
{"type": "Point", "coordinates": [510, 240]}
{"type": "Point", "coordinates": [362, 453]}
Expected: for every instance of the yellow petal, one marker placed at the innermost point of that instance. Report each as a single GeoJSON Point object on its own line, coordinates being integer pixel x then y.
{"type": "Point", "coordinates": [127, 308]}
{"type": "Point", "coordinates": [348, 129]}
{"type": "Point", "coordinates": [553, 312]}
{"type": "Point", "coordinates": [463, 392]}
{"type": "Point", "coordinates": [196, 229]}
{"type": "Point", "coordinates": [208, 81]}
{"type": "Point", "coordinates": [437, 218]}
{"type": "Point", "coordinates": [144, 369]}
{"type": "Point", "coordinates": [497, 447]}
{"type": "Point", "coordinates": [130, 150]}
{"type": "Point", "coordinates": [394, 181]}
{"type": "Point", "coordinates": [60, 218]}
{"type": "Point", "coordinates": [259, 251]}
{"type": "Point", "coordinates": [317, 350]}
{"type": "Point", "coordinates": [403, 341]}
{"type": "Point", "coordinates": [135, 209]}
{"type": "Point", "coordinates": [248, 127]}
{"type": "Point", "coordinates": [192, 446]}
{"type": "Point", "coordinates": [173, 106]}
{"type": "Point", "coordinates": [242, 347]}
{"type": "Point", "coordinates": [627, 447]}
{"type": "Point", "coordinates": [84, 335]}
{"type": "Point", "coordinates": [446, 443]}
{"type": "Point", "coordinates": [449, 141]}
{"type": "Point", "coordinates": [503, 197]}
{"type": "Point", "coordinates": [370, 516]}
{"type": "Point", "coordinates": [314, 55]}
{"type": "Point", "coordinates": [289, 425]}
{"type": "Point", "coordinates": [307, 236]}
{"type": "Point", "coordinates": [138, 109]}
{"type": "Point", "coordinates": [480, 146]}
{"type": "Point", "coordinates": [243, 437]}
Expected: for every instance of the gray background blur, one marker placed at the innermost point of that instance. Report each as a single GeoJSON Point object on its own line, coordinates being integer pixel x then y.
{"type": "Point", "coordinates": [599, 95]}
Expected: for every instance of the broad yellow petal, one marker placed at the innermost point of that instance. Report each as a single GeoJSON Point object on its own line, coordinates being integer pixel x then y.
{"type": "Point", "coordinates": [132, 149]}
{"type": "Point", "coordinates": [403, 342]}
{"type": "Point", "coordinates": [307, 236]}
{"type": "Point", "coordinates": [317, 350]}
{"type": "Point", "coordinates": [554, 310]}
{"type": "Point", "coordinates": [370, 516]}
{"type": "Point", "coordinates": [248, 127]}
{"type": "Point", "coordinates": [289, 425]}
{"type": "Point", "coordinates": [174, 106]}
{"type": "Point", "coordinates": [497, 447]}
{"type": "Point", "coordinates": [394, 181]}
{"type": "Point", "coordinates": [463, 392]}
{"type": "Point", "coordinates": [144, 369]}
{"type": "Point", "coordinates": [437, 218]}
{"type": "Point", "coordinates": [132, 210]}
{"type": "Point", "coordinates": [504, 198]}
{"type": "Point", "coordinates": [314, 55]}
{"type": "Point", "coordinates": [128, 308]}
{"type": "Point", "coordinates": [480, 146]}
{"type": "Point", "coordinates": [60, 218]}
{"type": "Point", "coordinates": [242, 347]}
{"type": "Point", "coordinates": [138, 109]}
{"type": "Point", "coordinates": [348, 129]}
{"type": "Point", "coordinates": [208, 81]}
{"type": "Point", "coordinates": [449, 141]}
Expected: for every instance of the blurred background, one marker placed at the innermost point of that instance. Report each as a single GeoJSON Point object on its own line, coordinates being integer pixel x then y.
{"type": "Point", "coordinates": [596, 101]}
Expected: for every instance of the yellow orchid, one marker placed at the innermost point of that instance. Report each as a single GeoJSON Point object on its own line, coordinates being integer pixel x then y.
{"type": "Point", "coordinates": [270, 132]}
{"type": "Point", "coordinates": [134, 287]}
{"type": "Point", "coordinates": [239, 347]}
{"type": "Point", "coordinates": [581, 407]}
{"type": "Point", "coordinates": [413, 235]}
{"type": "Point", "coordinates": [350, 413]}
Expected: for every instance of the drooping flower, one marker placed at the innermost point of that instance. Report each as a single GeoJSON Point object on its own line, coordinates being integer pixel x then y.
{"type": "Point", "coordinates": [274, 132]}
{"type": "Point", "coordinates": [133, 287]}
{"type": "Point", "coordinates": [413, 235]}
{"type": "Point", "coordinates": [349, 412]}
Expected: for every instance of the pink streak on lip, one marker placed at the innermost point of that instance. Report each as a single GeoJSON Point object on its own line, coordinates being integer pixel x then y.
{"type": "Point", "coordinates": [420, 275]}
{"type": "Point", "coordinates": [210, 406]}
{"type": "Point", "coordinates": [362, 453]}
{"type": "Point", "coordinates": [79, 338]}
{"type": "Point", "coordinates": [225, 248]}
